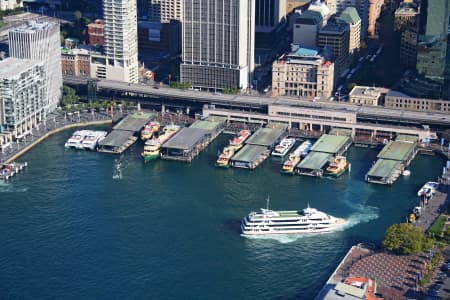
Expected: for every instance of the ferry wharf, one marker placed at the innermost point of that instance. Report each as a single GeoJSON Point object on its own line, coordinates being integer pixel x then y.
{"type": "Point", "coordinates": [257, 148]}
{"type": "Point", "coordinates": [327, 146]}
{"type": "Point", "coordinates": [393, 159]}
{"type": "Point", "coordinates": [124, 133]}
{"type": "Point", "coordinates": [190, 141]}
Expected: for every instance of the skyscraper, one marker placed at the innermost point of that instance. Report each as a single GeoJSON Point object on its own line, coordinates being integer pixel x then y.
{"type": "Point", "coordinates": [163, 11]}
{"type": "Point", "coordinates": [269, 13]}
{"type": "Point", "coordinates": [41, 42]}
{"type": "Point", "coordinates": [120, 34]}
{"type": "Point", "coordinates": [218, 43]}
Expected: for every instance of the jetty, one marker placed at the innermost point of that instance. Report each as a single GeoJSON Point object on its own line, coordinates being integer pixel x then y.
{"type": "Point", "coordinates": [393, 159]}
{"type": "Point", "coordinates": [190, 141]}
{"type": "Point", "coordinates": [327, 146]}
{"type": "Point", "coordinates": [124, 134]}
{"type": "Point", "coordinates": [257, 147]}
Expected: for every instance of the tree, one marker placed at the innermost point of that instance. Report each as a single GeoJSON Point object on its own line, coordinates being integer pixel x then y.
{"type": "Point", "coordinates": [407, 239]}
{"type": "Point", "coordinates": [69, 96]}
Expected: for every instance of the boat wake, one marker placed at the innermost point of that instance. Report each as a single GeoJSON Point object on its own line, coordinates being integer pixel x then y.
{"type": "Point", "coordinates": [118, 168]}
{"type": "Point", "coordinates": [6, 187]}
{"type": "Point", "coordinates": [281, 238]}
{"type": "Point", "coordinates": [363, 214]}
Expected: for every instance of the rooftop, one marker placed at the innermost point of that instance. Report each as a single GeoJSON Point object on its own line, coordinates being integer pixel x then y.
{"type": "Point", "coordinates": [360, 90]}
{"type": "Point", "coordinates": [134, 122]}
{"type": "Point", "coordinates": [407, 8]}
{"type": "Point", "coordinates": [309, 17]}
{"type": "Point", "coordinates": [186, 138]}
{"type": "Point", "coordinates": [266, 136]}
{"type": "Point", "coordinates": [11, 67]}
{"type": "Point", "coordinates": [350, 15]}
{"type": "Point", "coordinates": [398, 150]}
{"type": "Point", "coordinates": [335, 26]}
{"type": "Point", "coordinates": [330, 143]}
{"type": "Point", "coordinates": [116, 138]}
{"type": "Point", "coordinates": [32, 26]}
{"type": "Point", "coordinates": [249, 153]}
{"type": "Point", "coordinates": [314, 161]}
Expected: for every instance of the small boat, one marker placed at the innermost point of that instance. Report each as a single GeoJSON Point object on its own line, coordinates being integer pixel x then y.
{"type": "Point", "coordinates": [290, 163]}
{"type": "Point", "coordinates": [152, 148]}
{"type": "Point", "coordinates": [308, 220]}
{"type": "Point", "coordinates": [304, 148]}
{"type": "Point", "coordinates": [430, 185]}
{"type": "Point", "coordinates": [92, 139]}
{"type": "Point", "coordinates": [76, 140]}
{"type": "Point", "coordinates": [283, 147]}
{"type": "Point", "coordinates": [223, 161]}
{"type": "Point", "coordinates": [9, 170]}
{"type": "Point", "coordinates": [237, 142]}
{"type": "Point", "coordinates": [337, 166]}
{"type": "Point", "coordinates": [149, 129]}
{"type": "Point", "coordinates": [406, 172]}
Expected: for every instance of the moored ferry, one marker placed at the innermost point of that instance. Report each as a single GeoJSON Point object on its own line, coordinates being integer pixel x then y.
{"type": "Point", "coordinates": [304, 148]}
{"type": "Point", "coordinates": [92, 139]}
{"type": "Point", "coordinates": [295, 157]}
{"type": "Point", "coordinates": [237, 142]}
{"type": "Point", "coordinates": [308, 220]}
{"type": "Point", "coordinates": [76, 140]}
{"type": "Point", "coordinates": [337, 166]}
{"type": "Point", "coordinates": [283, 147]}
{"type": "Point", "coordinates": [223, 161]}
{"type": "Point", "coordinates": [149, 129]}
{"type": "Point", "coordinates": [152, 148]}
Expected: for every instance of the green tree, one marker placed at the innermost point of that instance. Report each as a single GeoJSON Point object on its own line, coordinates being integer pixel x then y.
{"type": "Point", "coordinates": [407, 239]}
{"type": "Point", "coordinates": [69, 96]}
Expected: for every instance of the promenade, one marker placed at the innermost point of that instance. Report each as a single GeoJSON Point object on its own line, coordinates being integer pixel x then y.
{"type": "Point", "coordinates": [55, 123]}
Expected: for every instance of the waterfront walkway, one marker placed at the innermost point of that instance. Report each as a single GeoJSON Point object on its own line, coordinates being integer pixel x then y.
{"type": "Point", "coordinates": [55, 123]}
{"type": "Point", "coordinates": [437, 205]}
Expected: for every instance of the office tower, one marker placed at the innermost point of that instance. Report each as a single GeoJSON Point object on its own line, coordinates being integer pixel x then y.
{"type": "Point", "coordinates": [306, 28]}
{"type": "Point", "coordinates": [269, 13]}
{"type": "Point", "coordinates": [218, 43]}
{"type": "Point", "coordinates": [350, 15]}
{"type": "Point", "coordinates": [303, 72]}
{"type": "Point", "coordinates": [362, 6]}
{"type": "Point", "coordinates": [22, 95]}
{"type": "Point", "coordinates": [41, 42]}
{"type": "Point", "coordinates": [120, 34]}
{"type": "Point", "coordinates": [163, 11]}
{"type": "Point", "coordinates": [336, 35]}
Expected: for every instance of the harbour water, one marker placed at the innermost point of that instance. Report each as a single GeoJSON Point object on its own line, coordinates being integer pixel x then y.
{"type": "Point", "coordinates": [85, 225]}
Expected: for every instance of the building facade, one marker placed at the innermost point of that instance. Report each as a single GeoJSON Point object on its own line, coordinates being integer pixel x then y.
{"type": "Point", "coordinates": [41, 42]}
{"type": "Point", "coordinates": [303, 73]}
{"type": "Point", "coordinates": [10, 4]}
{"type": "Point", "coordinates": [336, 35]}
{"type": "Point", "coordinates": [401, 101]}
{"type": "Point", "coordinates": [362, 6]}
{"type": "Point", "coordinates": [76, 62]}
{"type": "Point", "coordinates": [408, 47]}
{"type": "Point", "coordinates": [23, 96]}
{"type": "Point", "coordinates": [374, 13]}
{"type": "Point", "coordinates": [268, 14]}
{"type": "Point", "coordinates": [407, 14]}
{"type": "Point", "coordinates": [121, 43]}
{"type": "Point", "coordinates": [163, 11]}
{"type": "Point", "coordinates": [218, 46]}
{"type": "Point", "coordinates": [96, 33]}
{"type": "Point", "coordinates": [350, 15]}
{"type": "Point", "coordinates": [365, 95]}
{"type": "Point", "coordinates": [306, 28]}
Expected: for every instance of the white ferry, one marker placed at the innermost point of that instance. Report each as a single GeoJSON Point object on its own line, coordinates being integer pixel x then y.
{"type": "Point", "coordinates": [429, 185]}
{"type": "Point", "coordinates": [308, 220]}
{"type": "Point", "coordinates": [92, 139]}
{"type": "Point", "coordinates": [283, 147]}
{"type": "Point", "coordinates": [76, 140]}
{"type": "Point", "coordinates": [304, 148]}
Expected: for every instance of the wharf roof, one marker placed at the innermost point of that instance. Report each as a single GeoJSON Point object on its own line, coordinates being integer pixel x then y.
{"type": "Point", "coordinates": [186, 138]}
{"type": "Point", "coordinates": [205, 124]}
{"type": "Point", "coordinates": [11, 67]}
{"type": "Point", "coordinates": [340, 131]}
{"type": "Point", "coordinates": [328, 143]}
{"type": "Point", "coordinates": [266, 136]}
{"type": "Point", "coordinates": [384, 168]}
{"type": "Point", "coordinates": [314, 161]}
{"type": "Point", "coordinates": [134, 122]}
{"type": "Point", "coordinates": [116, 138]}
{"type": "Point", "coordinates": [249, 153]}
{"type": "Point", "coordinates": [398, 151]}
{"type": "Point", "coordinates": [350, 15]}
{"type": "Point", "coordinates": [407, 138]}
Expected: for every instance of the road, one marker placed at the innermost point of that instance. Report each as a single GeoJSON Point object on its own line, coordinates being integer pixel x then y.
{"type": "Point", "coordinates": [363, 112]}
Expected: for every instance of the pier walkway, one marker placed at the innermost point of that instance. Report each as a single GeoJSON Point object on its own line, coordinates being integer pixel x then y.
{"type": "Point", "coordinates": [257, 148]}
{"type": "Point", "coordinates": [392, 160]}
{"type": "Point", "coordinates": [327, 145]}
{"type": "Point", "coordinates": [124, 133]}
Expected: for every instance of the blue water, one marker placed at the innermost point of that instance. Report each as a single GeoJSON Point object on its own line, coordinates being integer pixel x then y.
{"type": "Point", "coordinates": [84, 225]}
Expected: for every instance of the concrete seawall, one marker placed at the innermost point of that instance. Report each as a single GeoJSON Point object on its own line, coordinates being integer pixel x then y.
{"type": "Point", "coordinates": [54, 131]}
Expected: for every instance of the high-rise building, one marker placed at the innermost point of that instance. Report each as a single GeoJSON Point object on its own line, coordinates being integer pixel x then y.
{"type": "Point", "coordinates": [41, 42]}
{"type": "Point", "coordinates": [336, 35]}
{"type": "Point", "coordinates": [218, 43]}
{"type": "Point", "coordinates": [163, 11]}
{"type": "Point", "coordinates": [362, 6]}
{"type": "Point", "coordinates": [22, 95]}
{"type": "Point", "coordinates": [121, 44]}
{"type": "Point", "coordinates": [269, 13]}
{"type": "Point", "coordinates": [10, 4]}
{"type": "Point", "coordinates": [306, 28]}
{"type": "Point", "coordinates": [350, 15]}
{"type": "Point", "coordinates": [303, 72]}
{"type": "Point", "coordinates": [374, 14]}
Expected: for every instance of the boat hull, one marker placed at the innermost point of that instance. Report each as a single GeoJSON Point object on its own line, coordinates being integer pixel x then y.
{"type": "Point", "coordinates": [150, 157]}
{"type": "Point", "coordinates": [287, 172]}
{"type": "Point", "coordinates": [335, 226]}
{"type": "Point", "coordinates": [223, 166]}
